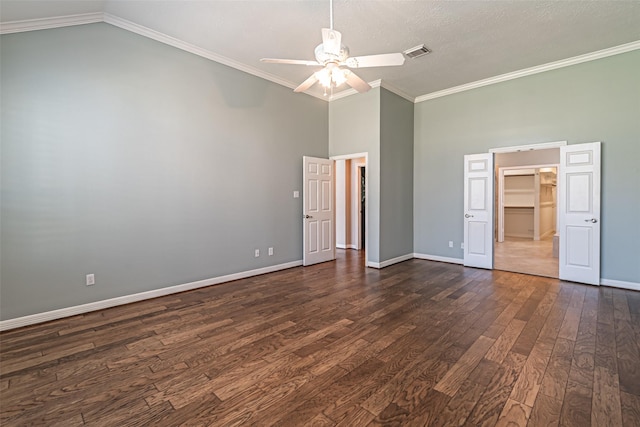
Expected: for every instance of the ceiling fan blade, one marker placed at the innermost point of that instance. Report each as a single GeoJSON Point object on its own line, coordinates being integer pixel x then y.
{"type": "Point", "coordinates": [307, 83]}
{"type": "Point", "coordinates": [383, 60]}
{"type": "Point", "coordinates": [332, 41]}
{"type": "Point", "coordinates": [356, 82]}
{"type": "Point", "coordinates": [290, 61]}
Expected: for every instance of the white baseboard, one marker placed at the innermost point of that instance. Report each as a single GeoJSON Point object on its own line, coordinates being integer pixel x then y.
{"type": "Point", "coordinates": [439, 258]}
{"type": "Point", "coordinates": [341, 246]}
{"type": "Point", "coordinates": [620, 284]}
{"type": "Point", "coordinates": [389, 262]}
{"type": "Point", "coordinates": [519, 235]}
{"type": "Point", "coordinates": [547, 234]}
{"type": "Point", "coordinates": [127, 299]}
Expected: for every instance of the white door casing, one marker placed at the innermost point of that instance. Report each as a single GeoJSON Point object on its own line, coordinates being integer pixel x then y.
{"type": "Point", "coordinates": [579, 213]}
{"type": "Point", "coordinates": [318, 210]}
{"type": "Point", "coordinates": [478, 210]}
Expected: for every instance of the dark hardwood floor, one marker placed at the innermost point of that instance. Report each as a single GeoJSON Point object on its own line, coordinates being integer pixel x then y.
{"type": "Point", "coordinates": [418, 343]}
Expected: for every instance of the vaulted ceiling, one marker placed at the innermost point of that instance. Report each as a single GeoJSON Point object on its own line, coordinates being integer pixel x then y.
{"type": "Point", "coordinates": [470, 40]}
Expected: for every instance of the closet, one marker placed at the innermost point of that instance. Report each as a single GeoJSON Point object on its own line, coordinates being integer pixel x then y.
{"type": "Point", "coordinates": [527, 203]}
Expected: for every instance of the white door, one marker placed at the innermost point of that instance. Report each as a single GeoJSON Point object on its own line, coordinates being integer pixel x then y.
{"type": "Point", "coordinates": [318, 211]}
{"type": "Point", "coordinates": [579, 212]}
{"type": "Point", "coordinates": [478, 210]}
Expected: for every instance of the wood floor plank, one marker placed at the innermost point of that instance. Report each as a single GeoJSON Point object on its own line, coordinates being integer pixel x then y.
{"type": "Point", "coordinates": [417, 343]}
{"type": "Point", "coordinates": [459, 406]}
{"type": "Point", "coordinates": [496, 394]}
{"type": "Point", "coordinates": [461, 370]}
{"type": "Point", "coordinates": [555, 379]}
{"type": "Point", "coordinates": [569, 328]}
{"type": "Point", "coordinates": [626, 346]}
{"type": "Point", "coordinates": [575, 407]}
{"type": "Point", "coordinates": [357, 416]}
{"type": "Point", "coordinates": [545, 412]}
{"type": "Point", "coordinates": [630, 404]}
{"type": "Point", "coordinates": [514, 414]}
{"type": "Point", "coordinates": [503, 344]}
{"type": "Point", "coordinates": [606, 409]}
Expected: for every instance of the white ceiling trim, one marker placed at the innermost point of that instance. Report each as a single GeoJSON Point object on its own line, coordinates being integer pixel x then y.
{"type": "Point", "coordinates": [616, 50]}
{"type": "Point", "coordinates": [47, 23]}
{"type": "Point", "coordinates": [376, 83]}
{"type": "Point", "coordinates": [391, 88]}
{"type": "Point", "coordinates": [89, 18]}
{"type": "Point", "coordinates": [188, 47]}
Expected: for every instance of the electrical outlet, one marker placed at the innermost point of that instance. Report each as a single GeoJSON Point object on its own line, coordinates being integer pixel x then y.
{"type": "Point", "coordinates": [450, 243]}
{"type": "Point", "coordinates": [257, 254]}
{"type": "Point", "coordinates": [462, 245]}
{"type": "Point", "coordinates": [91, 279]}
{"type": "Point", "coordinates": [296, 194]}
{"type": "Point", "coordinates": [270, 251]}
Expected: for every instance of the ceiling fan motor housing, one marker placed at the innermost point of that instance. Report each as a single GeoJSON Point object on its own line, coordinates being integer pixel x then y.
{"type": "Point", "coordinates": [326, 57]}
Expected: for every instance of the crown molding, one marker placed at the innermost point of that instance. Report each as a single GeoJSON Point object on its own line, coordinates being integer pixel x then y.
{"type": "Point", "coordinates": [47, 23]}
{"type": "Point", "coordinates": [616, 50]}
{"type": "Point", "coordinates": [402, 94]}
{"type": "Point", "coordinates": [349, 92]}
{"type": "Point", "coordinates": [90, 18]}
{"type": "Point", "coordinates": [188, 47]}
{"type": "Point", "coordinates": [376, 83]}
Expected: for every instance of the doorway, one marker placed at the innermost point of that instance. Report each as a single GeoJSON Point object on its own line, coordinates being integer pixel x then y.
{"type": "Point", "coordinates": [351, 202]}
{"type": "Point", "coordinates": [578, 209]}
{"type": "Point", "coordinates": [363, 204]}
{"type": "Point", "coordinates": [526, 239]}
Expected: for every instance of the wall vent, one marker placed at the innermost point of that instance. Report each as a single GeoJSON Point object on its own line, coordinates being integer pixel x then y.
{"type": "Point", "coordinates": [417, 51]}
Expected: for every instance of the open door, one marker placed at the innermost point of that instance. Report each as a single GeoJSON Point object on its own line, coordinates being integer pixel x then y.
{"type": "Point", "coordinates": [318, 211]}
{"type": "Point", "coordinates": [579, 212]}
{"type": "Point", "coordinates": [478, 210]}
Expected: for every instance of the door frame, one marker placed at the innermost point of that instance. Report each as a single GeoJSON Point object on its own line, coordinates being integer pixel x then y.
{"type": "Point", "coordinates": [353, 156]}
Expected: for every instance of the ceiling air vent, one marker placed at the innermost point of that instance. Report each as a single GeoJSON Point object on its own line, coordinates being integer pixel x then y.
{"type": "Point", "coordinates": [417, 51]}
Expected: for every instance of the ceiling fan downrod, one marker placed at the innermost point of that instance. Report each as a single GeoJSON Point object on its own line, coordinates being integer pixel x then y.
{"type": "Point", "coordinates": [331, 14]}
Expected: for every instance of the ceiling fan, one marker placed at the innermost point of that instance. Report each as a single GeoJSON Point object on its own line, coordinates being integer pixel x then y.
{"type": "Point", "coordinates": [332, 55]}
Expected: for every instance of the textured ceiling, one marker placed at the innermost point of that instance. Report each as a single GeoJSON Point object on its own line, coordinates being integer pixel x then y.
{"type": "Point", "coordinates": [470, 40]}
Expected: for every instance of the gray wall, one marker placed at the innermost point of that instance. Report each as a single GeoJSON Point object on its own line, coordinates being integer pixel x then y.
{"type": "Point", "coordinates": [143, 164]}
{"type": "Point", "coordinates": [354, 127]}
{"type": "Point", "coordinates": [396, 176]}
{"type": "Point", "coordinates": [594, 101]}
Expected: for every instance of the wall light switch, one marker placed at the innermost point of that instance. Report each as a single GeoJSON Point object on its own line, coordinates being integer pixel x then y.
{"type": "Point", "coordinates": [296, 194]}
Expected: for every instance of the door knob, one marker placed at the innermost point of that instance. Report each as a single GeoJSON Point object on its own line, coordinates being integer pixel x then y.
{"type": "Point", "coordinates": [468, 216]}
{"type": "Point", "coordinates": [306, 216]}
{"type": "Point", "coordinates": [592, 220]}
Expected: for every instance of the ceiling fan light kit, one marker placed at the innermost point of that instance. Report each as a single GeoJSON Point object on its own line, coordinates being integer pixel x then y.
{"type": "Point", "coordinates": [331, 54]}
